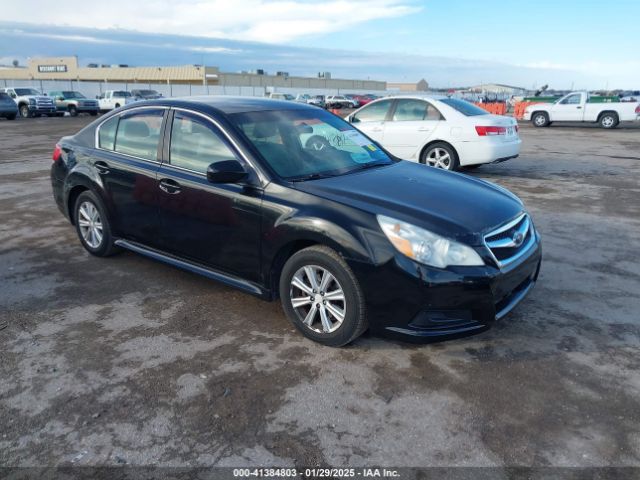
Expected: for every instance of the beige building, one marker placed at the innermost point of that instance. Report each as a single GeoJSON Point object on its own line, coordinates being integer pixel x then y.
{"type": "Point", "coordinates": [421, 86]}
{"type": "Point", "coordinates": [67, 68]}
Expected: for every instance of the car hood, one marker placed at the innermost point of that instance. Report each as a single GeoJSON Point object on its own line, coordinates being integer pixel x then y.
{"type": "Point", "coordinates": [449, 204]}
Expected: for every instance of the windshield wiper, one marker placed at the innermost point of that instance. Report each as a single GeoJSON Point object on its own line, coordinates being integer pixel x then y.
{"type": "Point", "coordinates": [311, 176]}
{"type": "Point", "coordinates": [366, 166]}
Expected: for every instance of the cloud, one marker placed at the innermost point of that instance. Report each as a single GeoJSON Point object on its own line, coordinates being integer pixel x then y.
{"type": "Point", "coordinates": [272, 21]}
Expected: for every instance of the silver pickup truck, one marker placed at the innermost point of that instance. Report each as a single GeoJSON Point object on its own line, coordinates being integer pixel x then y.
{"type": "Point", "coordinates": [575, 107]}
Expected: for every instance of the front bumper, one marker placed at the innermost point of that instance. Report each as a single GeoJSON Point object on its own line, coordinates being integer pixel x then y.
{"type": "Point", "coordinates": [42, 110]}
{"type": "Point", "coordinates": [414, 302]}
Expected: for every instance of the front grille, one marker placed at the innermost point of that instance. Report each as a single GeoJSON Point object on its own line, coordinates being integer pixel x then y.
{"type": "Point", "coordinates": [508, 242]}
{"type": "Point", "coordinates": [40, 102]}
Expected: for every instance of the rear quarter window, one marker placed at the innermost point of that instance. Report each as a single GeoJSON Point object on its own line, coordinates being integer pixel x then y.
{"type": "Point", "coordinates": [464, 107]}
{"type": "Point", "coordinates": [107, 133]}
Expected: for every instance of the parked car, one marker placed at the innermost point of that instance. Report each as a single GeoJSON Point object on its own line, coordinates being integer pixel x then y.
{"type": "Point", "coordinates": [363, 99]}
{"type": "Point", "coordinates": [339, 101]}
{"type": "Point", "coordinates": [111, 99]}
{"type": "Point", "coordinates": [348, 237]}
{"type": "Point", "coordinates": [354, 100]}
{"type": "Point", "coordinates": [439, 131]}
{"type": "Point", "coordinates": [145, 94]}
{"type": "Point", "coordinates": [8, 108]}
{"type": "Point", "coordinates": [74, 103]}
{"type": "Point", "coordinates": [319, 101]}
{"type": "Point", "coordinates": [281, 96]}
{"type": "Point", "coordinates": [575, 107]}
{"type": "Point", "coordinates": [31, 102]}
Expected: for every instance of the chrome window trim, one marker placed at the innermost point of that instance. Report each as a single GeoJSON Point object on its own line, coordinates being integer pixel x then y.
{"type": "Point", "coordinates": [263, 179]}
{"type": "Point", "coordinates": [525, 249]}
{"type": "Point", "coordinates": [97, 134]}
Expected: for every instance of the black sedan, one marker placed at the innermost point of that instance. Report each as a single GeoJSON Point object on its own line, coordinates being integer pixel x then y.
{"type": "Point", "coordinates": [282, 199]}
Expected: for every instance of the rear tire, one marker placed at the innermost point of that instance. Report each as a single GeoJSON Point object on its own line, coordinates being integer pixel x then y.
{"type": "Point", "coordinates": [440, 155]}
{"type": "Point", "coordinates": [540, 119]}
{"type": "Point", "coordinates": [92, 225]}
{"type": "Point", "coordinates": [11, 117]}
{"type": "Point", "coordinates": [328, 309]}
{"type": "Point", "coordinates": [609, 120]}
{"type": "Point", "coordinates": [93, 114]}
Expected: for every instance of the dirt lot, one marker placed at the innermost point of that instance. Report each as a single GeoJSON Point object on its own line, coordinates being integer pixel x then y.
{"type": "Point", "coordinates": [126, 360]}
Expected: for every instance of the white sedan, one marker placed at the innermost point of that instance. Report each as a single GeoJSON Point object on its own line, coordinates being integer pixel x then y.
{"type": "Point", "coordinates": [439, 131]}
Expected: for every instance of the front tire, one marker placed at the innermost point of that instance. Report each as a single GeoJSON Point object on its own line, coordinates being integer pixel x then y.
{"type": "Point", "coordinates": [24, 111]}
{"type": "Point", "coordinates": [609, 120]}
{"type": "Point", "coordinates": [73, 111]}
{"type": "Point", "coordinates": [322, 297]}
{"type": "Point", "coordinates": [92, 225]}
{"type": "Point", "coordinates": [540, 119]}
{"type": "Point", "coordinates": [440, 155]}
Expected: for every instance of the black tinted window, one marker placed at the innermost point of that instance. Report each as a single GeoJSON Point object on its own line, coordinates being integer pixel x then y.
{"type": "Point", "coordinates": [464, 107]}
{"type": "Point", "coordinates": [194, 144]}
{"type": "Point", "coordinates": [107, 133]}
{"type": "Point", "coordinates": [376, 112]}
{"type": "Point", "coordinates": [138, 134]}
{"type": "Point", "coordinates": [411, 110]}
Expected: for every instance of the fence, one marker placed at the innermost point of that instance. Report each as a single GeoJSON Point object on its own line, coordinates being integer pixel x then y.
{"type": "Point", "coordinates": [91, 89]}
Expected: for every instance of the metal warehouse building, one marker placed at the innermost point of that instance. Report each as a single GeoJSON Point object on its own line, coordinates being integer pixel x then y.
{"type": "Point", "coordinates": [65, 71]}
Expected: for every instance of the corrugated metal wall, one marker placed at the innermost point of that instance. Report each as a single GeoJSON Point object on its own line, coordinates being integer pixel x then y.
{"type": "Point", "coordinates": [91, 89]}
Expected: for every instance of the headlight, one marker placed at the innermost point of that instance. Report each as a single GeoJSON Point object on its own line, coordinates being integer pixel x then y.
{"type": "Point", "coordinates": [32, 101]}
{"type": "Point", "coordinates": [426, 247]}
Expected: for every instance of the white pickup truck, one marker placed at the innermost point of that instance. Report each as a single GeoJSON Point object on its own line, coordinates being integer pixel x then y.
{"type": "Point", "coordinates": [111, 99]}
{"type": "Point", "coordinates": [575, 107]}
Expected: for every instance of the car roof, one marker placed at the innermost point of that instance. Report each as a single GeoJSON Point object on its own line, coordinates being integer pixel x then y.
{"type": "Point", "coordinates": [229, 104]}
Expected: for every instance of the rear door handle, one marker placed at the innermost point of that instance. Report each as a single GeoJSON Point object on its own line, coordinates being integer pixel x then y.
{"type": "Point", "coordinates": [169, 186]}
{"type": "Point", "coordinates": [578, 108]}
{"type": "Point", "coordinates": [102, 168]}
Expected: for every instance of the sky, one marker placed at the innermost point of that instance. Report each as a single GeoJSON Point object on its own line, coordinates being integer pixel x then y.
{"type": "Point", "coordinates": [565, 43]}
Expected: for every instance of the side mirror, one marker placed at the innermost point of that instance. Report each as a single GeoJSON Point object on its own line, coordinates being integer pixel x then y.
{"type": "Point", "coordinates": [226, 171]}
{"type": "Point", "coordinates": [352, 119]}
{"type": "Point", "coordinates": [61, 98]}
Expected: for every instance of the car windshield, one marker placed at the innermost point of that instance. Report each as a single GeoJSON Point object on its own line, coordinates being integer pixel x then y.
{"type": "Point", "coordinates": [288, 96]}
{"type": "Point", "coordinates": [147, 92]}
{"type": "Point", "coordinates": [464, 107]}
{"type": "Point", "coordinates": [308, 144]}
{"type": "Point", "coordinates": [72, 95]}
{"type": "Point", "coordinates": [121, 94]}
{"type": "Point", "coordinates": [27, 91]}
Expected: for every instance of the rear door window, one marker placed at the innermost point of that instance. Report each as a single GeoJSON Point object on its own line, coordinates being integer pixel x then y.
{"type": "Point", "coordinates": [138, 134]}
{"type": "Point", "coordinates": [374, 112]}
{"type": "Point", "coordinates": [414, 110]}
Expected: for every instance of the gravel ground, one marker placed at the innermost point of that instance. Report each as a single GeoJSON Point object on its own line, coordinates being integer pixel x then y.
{"type": "Point", "coordinates": [126, 360]}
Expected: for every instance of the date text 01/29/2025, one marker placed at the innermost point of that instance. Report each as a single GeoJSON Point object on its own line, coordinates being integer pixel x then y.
{"type": "Point", "coordinates": [316, 472]}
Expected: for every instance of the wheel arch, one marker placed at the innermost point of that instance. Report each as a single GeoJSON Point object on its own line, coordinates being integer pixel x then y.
{"type": "Point", "coordinates": [301, 233]}
{"type": "Point", "coordinates": [433, 142]}
{"type": "Point", "coordinates": [77, 183]}
{"type": "Point", "coordinates": [605, 112]}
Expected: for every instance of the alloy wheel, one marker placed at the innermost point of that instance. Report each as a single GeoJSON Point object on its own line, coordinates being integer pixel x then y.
{"type": "Point", "coordinates": [439, 158]}
{"type": "Point", "coordinates": [540, 120]}
{"type": "Point", "coordinates": [90, 224]}
{"type": "Point", "coordinates": [607, 121]}
{"type": "Point", "coordinates": [318, 299]}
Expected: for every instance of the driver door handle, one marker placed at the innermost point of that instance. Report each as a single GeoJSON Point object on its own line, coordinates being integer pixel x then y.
{"type": "Point", "coordinates": [101, 167]}
{"type": "Point", "coordinates": [169, 186]}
